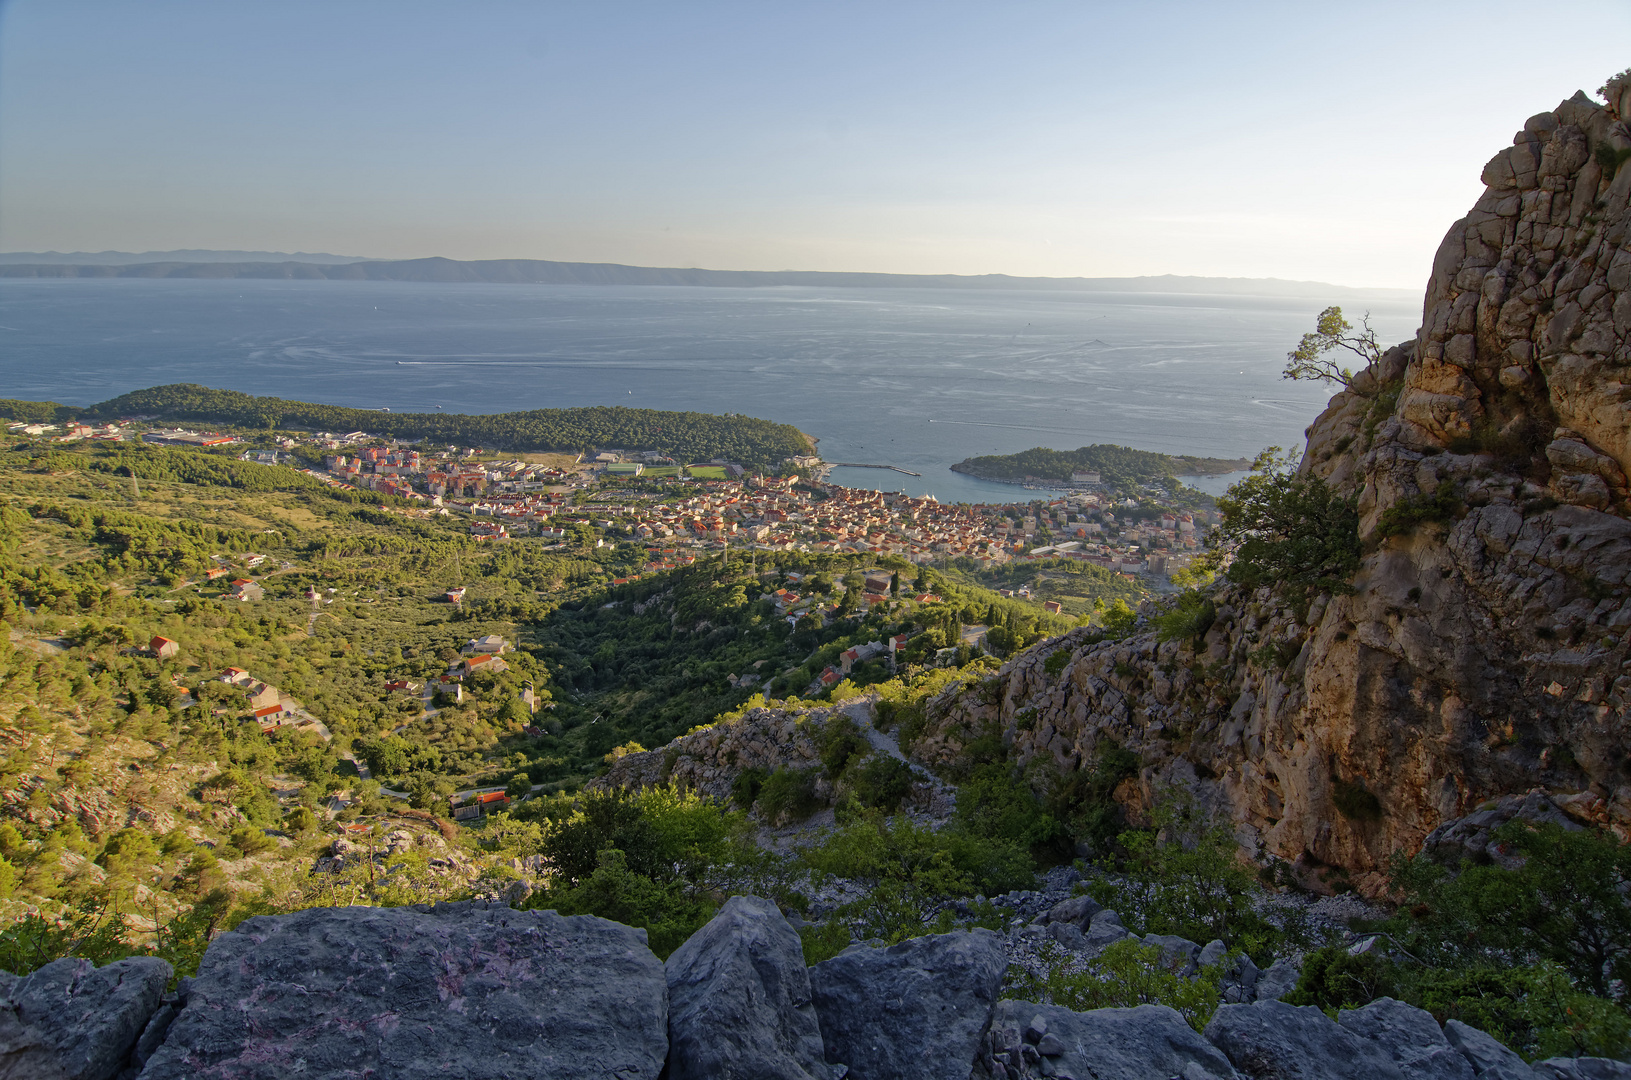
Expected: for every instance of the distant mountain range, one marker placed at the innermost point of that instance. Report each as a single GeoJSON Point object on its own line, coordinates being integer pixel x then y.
{"type": "Point", "coordinates": [223, 264]}
{"type": "Point", "coordinates": [189, 255]}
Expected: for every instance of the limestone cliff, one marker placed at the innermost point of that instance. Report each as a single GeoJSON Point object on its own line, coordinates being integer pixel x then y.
{"type": "Point", "coordinates": [1484, 650]}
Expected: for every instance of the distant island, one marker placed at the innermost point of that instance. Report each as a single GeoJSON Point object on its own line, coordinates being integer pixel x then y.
{"type": "Point", "coordinates": [686, 436]}
{"type": "Point", "coordinates": [543, 272]}
{"type": "Point", "coordinates": [1115, 466]}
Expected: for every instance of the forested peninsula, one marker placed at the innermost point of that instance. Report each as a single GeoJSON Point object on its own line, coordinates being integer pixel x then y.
{"type": "Point", "coordinates": [1118, 466]}
{"type": "Point", "coordinates": [687, 436]}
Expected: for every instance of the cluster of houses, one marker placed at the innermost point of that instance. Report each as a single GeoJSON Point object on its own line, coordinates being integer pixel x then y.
{"type": "Point", "coordinates": [71, 432]}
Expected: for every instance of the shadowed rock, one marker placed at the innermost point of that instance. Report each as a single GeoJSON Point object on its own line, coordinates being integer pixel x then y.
{"type": "Point", "coordinates": [739, 1001]}
{"type": "Point", "coordinates": [1151, 1042]}
{"type": "Point", "coordinates": [1410, 1036]}
{"type": "Point", "coordinates": [72, 1020]}
{"type": "Point", "coordinates": [1275, 1041]}
{"type": "Point", "coordinates": [410, 993]}
{"type": "Point", "coordinates": [913, 1011]}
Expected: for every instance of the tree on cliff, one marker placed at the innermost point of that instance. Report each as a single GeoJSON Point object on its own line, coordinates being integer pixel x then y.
{"type": "Point", "coordinates": [1289, 530]}
{"type": "Point", "coordinates": [1310, 359]}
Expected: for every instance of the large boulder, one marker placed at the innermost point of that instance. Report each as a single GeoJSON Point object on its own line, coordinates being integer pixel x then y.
{"type": "Point", "coordinates": [739, 1001]}
{"type": "Point", "coordinates": [1151, 1042]}
{"type": "Point", "coordinates": [1279, 980]}
{"type": "Point", "coordinates": [1410, 1036]}
{"type": "Point", "coordinates": [465, 989]}
{"type": "Point", "coordinates": [940, 989]}
{"type": "Point", "coordinates": [1489, 1057]}
{"type": "Point", "coordinates": [1582, 1068]}
{"type": "Point", "coordinates": [72, 1020]}
{"type": "Point", "coordinates": [1275, 1041]}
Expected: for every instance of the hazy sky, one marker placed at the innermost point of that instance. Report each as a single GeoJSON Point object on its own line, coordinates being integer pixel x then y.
{"type": "Point", "coordinates": [1324, 141]}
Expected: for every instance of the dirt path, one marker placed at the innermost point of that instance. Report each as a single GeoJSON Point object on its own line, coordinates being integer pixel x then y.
{"type": "Point", "coordinates": [861, 712]}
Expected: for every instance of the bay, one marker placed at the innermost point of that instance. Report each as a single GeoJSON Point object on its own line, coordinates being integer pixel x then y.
{"type": "Point", "coordinates": [914, 378]}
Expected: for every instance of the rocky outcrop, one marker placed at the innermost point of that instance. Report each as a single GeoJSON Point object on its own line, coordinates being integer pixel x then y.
{"type": "Point", "coordinates": [941, 988]}
{"type": "Point", "coordinates": [1483, 651]}
{"type": "Point", "coordinates": [1150, 1042]}
{"type": "Point", "coordinates": [474, 989]}
{"type": "Point", "coordinates": [449, 990]}
{"type": "Point", "coordinates": [72, 1020]}
{"type": "Point", "coordinates": [740, 1006]}
{"type": "Point", "coordinates": [709, 759]}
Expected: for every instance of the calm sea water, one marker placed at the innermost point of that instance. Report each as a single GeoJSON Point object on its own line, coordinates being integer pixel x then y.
{"type": "Point", "coordinates": [913, 378]}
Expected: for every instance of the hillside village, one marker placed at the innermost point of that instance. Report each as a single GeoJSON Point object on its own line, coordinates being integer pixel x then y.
{"type": "Point", "coordinates": [680, 512]}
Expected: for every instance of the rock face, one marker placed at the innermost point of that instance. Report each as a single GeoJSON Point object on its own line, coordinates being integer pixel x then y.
{"type": "Point", "coordinates": [1484, 650]}
{"type": "Point", "coordinates": [708, 761]}
{"type": "Point", "coordinates": [739, 998]}
{"type": "Point", "coordinates": [1275, 1041]}
{"type": "Point", "coordinates": [1151, 1042]}
{"type": "Point", "coordinates": [453, 990]}
{"type": "Point", "coordinates": [1411, 1037]}
{"type": "Point", "coordinates": [71, 1020]}
{"type": "Point", "coordinates": [939, 989]}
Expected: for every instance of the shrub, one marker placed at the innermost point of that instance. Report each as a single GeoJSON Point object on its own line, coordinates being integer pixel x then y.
{"type": "Point", "coordinates": [1443, 505]}
{"type": "Point", "coordinates": [664, 834]}
{"type": "Point", "coordinates": [250, 840]}
{"type": "Point", "coordinates": [1188, 619]}
{"type": "Point", "coordinates": [788, 795]}
{"type": "Point", "coordinates": [669, 912]}
{"type": "Point", "coordinates": [1056, 661]}
{"type": "Point", "coordinates": [1183, 877]}
{"type": "Point", "coordinates": [881, 782]}
{"type": "Point", "coordinates": [1289, 530]}
{"type": "Point", "coordinates": [1125, 975]}
{"type": "Point", "coordinates": [1332, 979]}
{"type": "Point", "coordinates": [745, 787]}
{"type": "Point", "coordinates": [1569, 903]}
{"type": "Point", "coordinates": [823, 941]}
{"type": "Point", "coordinates": [839, 741]}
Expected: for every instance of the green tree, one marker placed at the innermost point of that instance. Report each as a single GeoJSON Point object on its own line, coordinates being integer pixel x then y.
{"type": "Point", "coordinates": [1289, 530]}
{"type": "Point", "coordinates": [1311, 359]}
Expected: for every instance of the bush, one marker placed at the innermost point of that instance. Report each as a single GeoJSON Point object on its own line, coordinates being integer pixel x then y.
{"type": "Point", "coordinates": [908, 869]}
{"type": "Point", "coordinates": [1125, 975]}
{"type": "Point", "coordinates": [1332, 979]}
{"type": "Point", "coordinates": [250, 840]}
{"type": "Point", "coordinates": [1443, 505]}
{"type": "Point", "coordinates": [823, 941]}
{"type": "Point", "coordinates": [664, 834]}
{"type": "Point", "coordinates": [1183, 876]}
{"type": "Point", "coordinates": [746, 786]}
{"type": "Point", "coordinates": [1569, 903]}
{"type": "Point", "coordinates": [881, 782]}
{"type": "Point", "coordinates": [669, 912]}
{"type": "Point", "coordinates": [1188, 619]}
{"type": "Point", "coordinates": [839, 741]}
{"type": "Point", "coordinates": [788, 795]}
{"type": "Point", "coordinates": [1289, 530]}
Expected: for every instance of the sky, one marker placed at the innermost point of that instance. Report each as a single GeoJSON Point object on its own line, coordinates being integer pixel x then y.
{"type": "Point", "coordinates": [1333, 142]}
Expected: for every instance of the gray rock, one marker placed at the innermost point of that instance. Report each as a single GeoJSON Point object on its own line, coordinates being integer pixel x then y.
{"type": "Point", "coordinates": [940, 989]}
{"type": "Point", "coordinates": [1279, 980]}
{"type": "Point", "coordinates": [72, 1020]}
{"type": "Point", "coordinates": [1275, 1041]}
{"type": "Point", "coordinates": [1490, 1059]}
{"type": "Point", "coordinates": [1078, 910]}
{"type": "Point", "coordinates": [1213, 953]}
{"type": "Point", "coordinates": [1069, 935]}
{"type": "Point", "coordinates": [1151, 1042]}
{"type": "Point", "coordinates": [1410, 1036]}
{"type": "Point", "coordinates": [1582, 1068]}
{"type": "Point", "coordinates": [1106, 929]}
{"type": "Point", "coordinates": [1177, 954]}
{"type": "Point", "coordinates": [420, 992]}
{"type": "Point", "coordinates": [739, 1001]}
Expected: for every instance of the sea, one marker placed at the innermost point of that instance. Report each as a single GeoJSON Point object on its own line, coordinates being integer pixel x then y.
{"type": "Point", "coordinates": [917, 379]}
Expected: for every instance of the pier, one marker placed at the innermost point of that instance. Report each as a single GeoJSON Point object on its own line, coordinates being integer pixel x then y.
{"type": "Point", "coordinates": [864, 465]}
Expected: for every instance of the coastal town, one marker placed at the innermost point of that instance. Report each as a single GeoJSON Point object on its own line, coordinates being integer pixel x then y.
{"type": "Point", "coordinates": [680, 512]}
